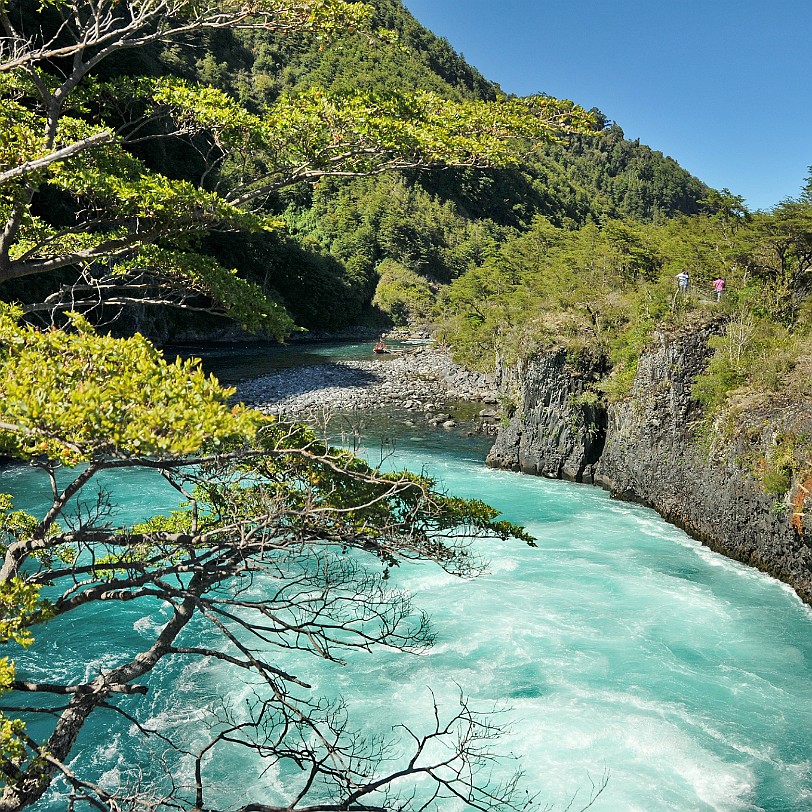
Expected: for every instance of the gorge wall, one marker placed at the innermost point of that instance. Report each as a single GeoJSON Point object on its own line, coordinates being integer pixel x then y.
{"type": "Point", "coordinates": [553, 424]}
{"type": "Point", "coordinates": [655, 447]}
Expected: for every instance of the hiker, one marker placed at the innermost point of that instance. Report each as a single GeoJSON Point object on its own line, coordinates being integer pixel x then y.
{"type": "Point", "coordinates": [682, 281]}
{"type": "Point", "coordinates": [719, 286]}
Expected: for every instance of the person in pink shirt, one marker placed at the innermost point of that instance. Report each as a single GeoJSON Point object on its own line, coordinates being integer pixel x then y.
{"type": "Point", "coordinates": [719, 286]}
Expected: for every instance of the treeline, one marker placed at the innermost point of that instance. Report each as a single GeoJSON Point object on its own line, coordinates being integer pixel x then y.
{"type": "Point", "coordinates": [378, 249]}
{"type": "Point", "coordinates": [605, 287]}
{"type": "Point", "coordinates": [435, 226]}
{"type": "Point", "coordinates": [386, 245]}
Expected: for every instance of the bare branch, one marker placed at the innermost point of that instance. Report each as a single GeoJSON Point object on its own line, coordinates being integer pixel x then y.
{"type": "Point", "coordinates": [58, 155]}
{"type": "Point", "coordinates": [50, 688]}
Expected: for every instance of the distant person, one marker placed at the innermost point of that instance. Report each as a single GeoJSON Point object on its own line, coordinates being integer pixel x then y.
{"type": "Point", "coordinates": [719, 286]}
{"type": "Point", "coordinates": [682, 281]}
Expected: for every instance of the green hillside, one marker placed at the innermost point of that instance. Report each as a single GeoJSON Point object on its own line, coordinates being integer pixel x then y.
{"type": "Point", "coordinates": [411, 233]}
{"type": "Point", "coordinates": [374, 250]}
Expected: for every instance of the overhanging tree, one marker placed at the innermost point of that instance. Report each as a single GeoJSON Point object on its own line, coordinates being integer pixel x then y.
{"type": "Point", "coordinates": [265, 502]}
{"type": "Point", "coordinates": [133, 232]}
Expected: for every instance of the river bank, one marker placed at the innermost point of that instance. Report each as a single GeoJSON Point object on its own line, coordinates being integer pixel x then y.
{"type": "Point", "coordinates": [643, 450]}
{"type": "Point", "coordinates": [657, 446]}
{"type": "Point", "coordinates": [422, 380]}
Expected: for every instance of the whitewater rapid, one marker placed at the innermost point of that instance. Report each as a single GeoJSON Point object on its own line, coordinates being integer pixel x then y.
{"type": "Point", "coordinates": [618, 646]}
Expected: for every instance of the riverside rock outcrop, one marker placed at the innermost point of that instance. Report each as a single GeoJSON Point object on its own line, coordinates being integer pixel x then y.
{"type": "Point", "coordinates": [556, 425]}
{"type": "Point", "coordinates": [654, 447]}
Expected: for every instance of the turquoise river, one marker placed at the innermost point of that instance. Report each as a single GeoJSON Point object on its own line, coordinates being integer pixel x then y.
{"type": "Point", "coordinates": [617, 646]}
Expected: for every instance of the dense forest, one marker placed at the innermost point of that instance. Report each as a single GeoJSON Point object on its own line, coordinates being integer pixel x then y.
{"type": "Point", "coordinates": [394, 241]}
{"type": "Point", "coordinates": [354, 252]}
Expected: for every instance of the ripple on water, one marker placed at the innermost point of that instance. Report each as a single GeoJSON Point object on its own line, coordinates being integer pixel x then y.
{"type": "Point", "coordinates": [618, 643]}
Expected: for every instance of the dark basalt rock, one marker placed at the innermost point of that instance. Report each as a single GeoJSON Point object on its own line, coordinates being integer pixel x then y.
{"type": "Point", "coordinates": [555, 425]}
{"type": "Point", "coordinates": [648, 448]}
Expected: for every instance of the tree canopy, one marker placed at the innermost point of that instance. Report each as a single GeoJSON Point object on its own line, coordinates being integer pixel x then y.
{"type": "Point", "coordinates": [76, 195]}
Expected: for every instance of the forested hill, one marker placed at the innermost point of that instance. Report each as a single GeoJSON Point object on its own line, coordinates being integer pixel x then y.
{"type": "Point", "coordinates": [356, 250]}
{"type": "Point", "coordinates": [591, 177]}
{"type": "Point", "coordinates": [423, 61]}
{"type": "Point", "coordinates": [411, 233]}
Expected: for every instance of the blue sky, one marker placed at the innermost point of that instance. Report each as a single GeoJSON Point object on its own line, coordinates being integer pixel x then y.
{"type": "Point", "coordinates": [722, 86]}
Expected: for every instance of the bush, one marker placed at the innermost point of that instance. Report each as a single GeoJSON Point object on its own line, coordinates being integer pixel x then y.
{"type": "Point", "coordinates": [402, 294]}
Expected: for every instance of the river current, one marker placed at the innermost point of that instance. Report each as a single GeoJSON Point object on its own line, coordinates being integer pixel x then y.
{"type": "Point", "coordinates": [617, 646]}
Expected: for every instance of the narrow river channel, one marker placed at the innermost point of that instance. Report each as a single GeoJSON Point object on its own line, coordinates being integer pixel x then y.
{"type": "Point", "coordinates": [617, 646]}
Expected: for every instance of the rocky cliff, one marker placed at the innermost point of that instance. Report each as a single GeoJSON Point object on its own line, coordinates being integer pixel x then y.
{"type": "Point", "coordinates": [656, 447]}
{"type": "Point", "coordinates": [554, 423]}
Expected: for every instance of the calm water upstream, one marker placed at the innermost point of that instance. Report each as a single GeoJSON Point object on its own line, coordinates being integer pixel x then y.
{"type": "Point", "coordinates": [617, 644]}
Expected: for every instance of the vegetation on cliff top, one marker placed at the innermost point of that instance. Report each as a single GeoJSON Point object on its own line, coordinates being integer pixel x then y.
{"type": "Point", "coordinates": [606, 288]}
{"type": "Point", "coordinates": [609, 285]}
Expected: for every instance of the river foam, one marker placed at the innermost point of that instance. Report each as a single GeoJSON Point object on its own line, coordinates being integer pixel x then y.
{"type": "Point", "coordinates": [617, 644]}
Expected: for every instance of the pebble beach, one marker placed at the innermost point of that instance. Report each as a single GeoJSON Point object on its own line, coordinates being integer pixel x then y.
{"type": "Point", "coordinates": [421, 380]}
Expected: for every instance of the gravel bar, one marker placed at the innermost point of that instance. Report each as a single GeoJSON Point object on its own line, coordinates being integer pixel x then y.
{"type": "Point", "coordinates": [423, 379]}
